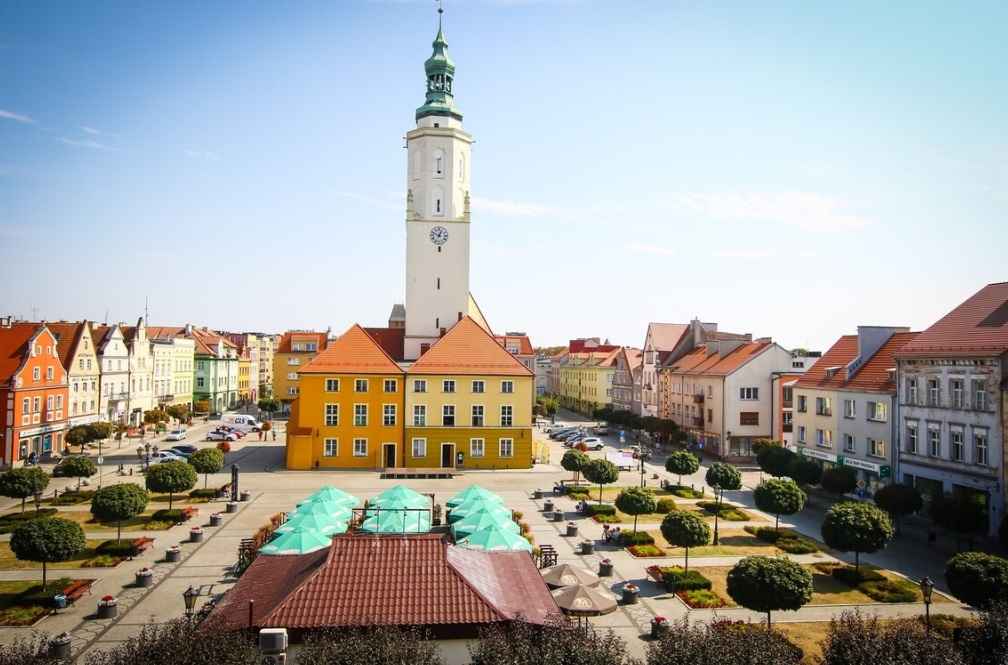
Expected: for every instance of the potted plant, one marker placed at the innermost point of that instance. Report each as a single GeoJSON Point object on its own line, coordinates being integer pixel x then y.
{"type": "Point", "coordinates": [108, 607]}
{"type": "Point", "coordinates": [144, 577]}
{"type": "Point", "coordinates": [659, 627]}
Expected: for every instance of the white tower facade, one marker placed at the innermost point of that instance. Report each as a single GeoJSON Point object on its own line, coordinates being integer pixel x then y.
{"type": "Point", "coordinates": [437, 210]}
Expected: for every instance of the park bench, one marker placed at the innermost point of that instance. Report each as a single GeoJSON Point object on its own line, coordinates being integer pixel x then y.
{"type": "Point", "coordinates": [141, 545]}
{"type": "Point", "coordinates": [77, 589]}
{"type": "Point", "coordinates": [417, 472]}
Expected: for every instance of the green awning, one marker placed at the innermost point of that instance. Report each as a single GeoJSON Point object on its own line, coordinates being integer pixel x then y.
{"type": "Point", "coordinates": [324, 524]}
{"type": "Point", "coordinates": [296, 542]}
{"type": "Point", "coordinates": [400, 497]}
{"type": "Point", "coordinates": [397, 521]}
{"type": "Point", "coordinates": [482, 519]}
{"type": "Point", "coordinates": [472, 492]}
{"type": "Point", "coordinates": [496, 538]}
{"type": "Point", "coordinates": [475, 505]}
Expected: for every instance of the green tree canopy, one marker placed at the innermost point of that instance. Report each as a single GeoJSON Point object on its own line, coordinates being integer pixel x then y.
{"type": "Point", "coordinates": [101, 430]}
{"type": "Point", "coordinates": [839, 480]}
{"type": "Point", "coordinates": [269, 405]}
{"type": "Point", "coordinates": [115, 503]}
{"type": "Point", "coordinates": [79, 435]}
{"type": "Point", "coordinates": [78, 467]}
{"type": "Point", "coordinates": [855, 526]}
{"type": "Point", "coordinates": [178, 411]}
{"type": "Point", "coordinates": [23, 482]}
{"type": "Point", "coordinates": [978, 578]}
{"type": "Point", "coordinates": [764, 584]}
{"type": "Point", "coordinates": [47, 540]}
{"type": "Point", "coordinates": [899, 501]}
{"type": "Point", "coordinates": [155, 416]}
{"type": "Point", "coordinates": [775, 460]}
{"type": "Point", "coordinates": [686, 530]}
{"type": "Point", "coordinates": [207, 461]}
{"type": "Point", "coordinates": [600, 472]}
{"type": "Point", "coordinates": [574, 461]}
{"type": "Point", "coordinates": [682, 463]}
{"type": "Point", "coordinates": [963, 514]}
{"type": "Point", "coordinates": [725, 476]}
{"type": "Point", "coordinates": [779, 496]}
{"type": "Point", "coordinates": [804, 471]}
{"type": "Point", "coordinates": [636, 501]}
{"type": "Point", "coordinates": [171, 477]}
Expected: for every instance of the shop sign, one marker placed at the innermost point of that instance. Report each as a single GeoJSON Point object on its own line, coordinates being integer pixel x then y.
{"type": "Point", "coordinates": [818, 454]}
{"type": "Point", "coordinates": [858, 464]}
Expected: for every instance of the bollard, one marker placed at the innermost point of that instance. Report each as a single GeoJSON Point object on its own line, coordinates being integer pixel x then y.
{"type": "Point", "coordinates": [173, 554]}
{"type": "Point", "coordinates": [572, 529]}
{"type": "Point", "coordinates": [605, 568]}
{"type": "Point", "coordinates": [108, 607]}
{"type": "Point", "coordinates": [631, 594]}
{"type": "Point", "coordinates": [59, 646]}
{"type": "Point", "coordinates": [216, 519]}
{"type": "Point", "coordinates": [245, 495]}
{"type": "Point", "coordinates": [547, 506]}
{"type": "Point", "coordinates": [558, 516]}
{"type": "Point", "coordinates": [196, 534]}
{"type": "Point", "coordinates": [231, 507]}
{"type": "Point", "coordinates": [144, 577]}
{"type": "Point", "coordinates": [538, 494]}
{"type": "Point", "coordinates": [587, 547]}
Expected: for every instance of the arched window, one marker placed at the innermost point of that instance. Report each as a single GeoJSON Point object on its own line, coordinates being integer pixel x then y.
{"type": "Point", "coordinates": [439, 163]}
{"type": "Point", "coordinates": [461, 168]}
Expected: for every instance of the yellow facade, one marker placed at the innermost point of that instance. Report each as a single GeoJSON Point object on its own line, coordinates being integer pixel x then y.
{"type": "Point", "coordinates": [244, 378]}
{"type": "Point", "coordinates": [584, 381]}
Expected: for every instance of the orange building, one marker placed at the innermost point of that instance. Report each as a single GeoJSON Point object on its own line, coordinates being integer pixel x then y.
{"type": "Point", "coordinates": [33, 392]}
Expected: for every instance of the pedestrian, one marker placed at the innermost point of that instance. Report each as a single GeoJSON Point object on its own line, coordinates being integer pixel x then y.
{"type": "Point", "coordinates": [274, 435]}
{"type": "Point", "coordinates": [616, 534]}
{"type": "Point", "coordinates": [605, 532]}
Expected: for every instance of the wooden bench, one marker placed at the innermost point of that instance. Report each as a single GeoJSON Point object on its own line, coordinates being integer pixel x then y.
{"type": "Point", "coordinates": [141, 545]}
{"type": "Point", "coordinates": [188, 513]}
{"type": "Point", "coordinates": [77, 589]}
{"type": "Point", "coordinates": [403, 472]}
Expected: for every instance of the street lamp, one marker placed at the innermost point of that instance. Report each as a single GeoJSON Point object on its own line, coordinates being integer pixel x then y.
{"type": "Point", "coordinates": [147, 454]}
{"type": "Point", "coordinates": [717, 509]}
{"type": "Point", "coordinates": [927, 589]}
{"type": "Point", "coordinates": [643, 457]}
{"type": "Point", "coordinates": [189, 596]}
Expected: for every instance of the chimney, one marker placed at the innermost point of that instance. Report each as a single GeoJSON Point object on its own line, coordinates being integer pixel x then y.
{"type": "Point", "coordinates": [5, 322]}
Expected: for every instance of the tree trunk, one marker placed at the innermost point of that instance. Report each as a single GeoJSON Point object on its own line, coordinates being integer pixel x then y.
{"type": "Point", "coordinates": [118, 531]}
{"type": "Point", "coordinates": [23, 499]}
{"type": "Point", "coordinates": [686, 568]}
{"type": "Point", "coordinates": [44, 571]}
{"type": "Point", "coordinates": [680, 480]}
{"type": "Point", "coordinates": [768, 620]}
{"type": "Point", "coordinates": [857, 560]}
{"type": "Point", "coordinates": [206, 477]}
{"type": "Point", "coordinates": [169, 499]}
{"type": "Point", "coordinates": [635, 524]}
{"type": "Point", "coordinates": [600, 493]}
{"type": "Point", "coordinates": [777, 523]}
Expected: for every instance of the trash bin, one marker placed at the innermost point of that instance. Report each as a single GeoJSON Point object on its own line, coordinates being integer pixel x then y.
{"type": "Point", "coordinates": [245, 496]}
{"type": "Point", "coordinates": [231, 507]}
{"type": "Point", "coordinates": [548, 506]}
{"type": "Point", "coordinates": [196, 534]}
{"type": "Point", "coordinates": [144, 577]}
{"type": "Point", "coordinates": [572, 529]}
{"type": "Point", "coordinates": [587, 547]}
{"type": "Point", "coordinates": [59, 646]}
{"type": "Point", "coordinates": [659, 627]}
{"type": "Point", "coordinates": [108, 607]}
{"type": "Point", "coordinates": [59, 602]}
{"type": "Point", "coordinates": [631, 594]}
{"type": "Point", "coordinates": [216, 519]}
{"type": "Point", "coordinates": [605, 568]}
{"type": "Point", "coordinates": [538, 494]}
{"type": "Point", "coordinates": [173, 554]}
{"type": "Point", "coordinates": [558, 516]}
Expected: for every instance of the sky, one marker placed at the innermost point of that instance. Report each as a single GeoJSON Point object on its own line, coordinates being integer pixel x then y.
{"type": "Point", "coordinates": [788, 169]}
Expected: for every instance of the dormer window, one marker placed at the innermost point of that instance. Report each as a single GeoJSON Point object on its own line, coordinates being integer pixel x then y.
{"type": "Point", "coordinates": [831, 372]}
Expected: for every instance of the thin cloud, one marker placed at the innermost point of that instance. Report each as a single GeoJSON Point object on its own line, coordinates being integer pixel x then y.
{"type": "Point", "coordinates": [806, 210]}
{"type": "Point", "coordinates": [90, 130]}
{"type": "Point", "coordinates": [657, 250]}
{"type": "Point", "coordinates": [513, 208]}
{"type": "Point", "coordinates": [93, 145]}
{"type": "Point", "coordinates": [16, 117]}
{"type": "Point", "coordinates": [743, 254]}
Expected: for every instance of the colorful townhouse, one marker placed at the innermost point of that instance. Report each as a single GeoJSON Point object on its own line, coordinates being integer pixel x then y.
{"type": "Point", "coordinates": [77, 354]}
{"type": "Point", "coordinates": [141, 371]}
{"type": "Point", "coordinates": [625, 390]}
{"type": "Point", "coordinates": [113, 356]}
{"type": "Point", "coordinates": [581, 376]}
{"type": "Point", "coordinates": [249, 352]}
{"type": "Point", "coordinates": [951, 380]}
{"type": "Point", "coordinates": [174, 360]}
{"type": "Point", "coordinates": [295, 349]}
{"type": "Point", "coordinates": [267, 348]}
{"type": "Point", "coordinates": [33, 392]}
{"type": "Point", "coordinates": [844, 406]}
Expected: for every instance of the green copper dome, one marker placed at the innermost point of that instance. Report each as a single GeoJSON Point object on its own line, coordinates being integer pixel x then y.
{"type": "Point", "coordinates": [440, 79]}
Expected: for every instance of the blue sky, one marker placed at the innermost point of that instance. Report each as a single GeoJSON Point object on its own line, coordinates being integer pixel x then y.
{"type": "Point", "coordinates": [787, 169]}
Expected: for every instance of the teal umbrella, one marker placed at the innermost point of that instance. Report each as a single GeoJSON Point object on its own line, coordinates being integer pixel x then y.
{"type": "Point", "coordinates": [323, 524]}
{"type": "Point", "coordinates": [397, 521]}
{"type": "Point", "coordinates": [472, 492]}
{"type": "Point", "coordinates": [296, 542]}
{"type": "Point", "coordinates": [476, 505]}
{"type": "Point", "coordinates": [482, 519]}
{"type": "Point", "coordinates": [330, 494]}
{"type": "Point", "coordinates": [398, 497]}
{"type": "Point", "coordinates": [496, 538]}
{"type": "Point", "coordinates": [323, 509]}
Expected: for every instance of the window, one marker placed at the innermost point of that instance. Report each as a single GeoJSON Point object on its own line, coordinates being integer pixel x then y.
{"type": "Point", "coordinates": [979, 395]}
{"type": "Point", "coordinates": [507, 447]}
{"type": "Point", "coordinates": [934, 393]}
{"type": "Point", "coordinates": [448, 386]}
{"type": "Point", "coordinates": [802, 406]}
{"type": "Point", "coordinates": [911, 391]}
{"type": "Point", "coordinates": [291, 376]}
{"type": "Point", "coordinates": [49, 403]}
{"type": "Point", "coordinates": [506, 413]}
{"type": "Point", "coordinates": [824, 438]}
{"type": "Point", "coordinates": [788, 418]}
{"type": "Point", "coordinates": [957, 390]}
{"type": "Point", "coordinates": [448, 415]}
{"type": "Point", "coordinates": [292, 361]}
{"type": "Point", "coordinates": [25, 408]}
{"type": "Point", "coordinates": [331, 415]}
{"type": "Point", "coordinates": [911, 432]}
{"type": "Point", "coordinates": [360, 415]}
{"type": "Point", "coordinates": [419, 386]}
{"type": "Point", "coordinates": [507, 387]}
{"type": "Point", "coordinates": [477, 415]}
{"type": "Point", "coordinates": [419, 447]}
{"type": "Point", "coordinates": [824, 406]}
{"type": "Point", "coordinates": [934, 441]}
{"type": "Point", "coordinates": [419, 415]}
{"type": "Point", "coordinates": [476, 447]}
{"type": "Point", "coordinates": [49, 374]}
{"type": "Point", "coordinates": [956, 444]}
{"type": "Point", "coordinates": [980, 446]}
{"type": "Point", "coordinates": [37, 404]}
{"type": "Point", "coordinates": [877, 411]}
{"type": "Point", "coordinates": [876, 447]}
{"type": "Point", "coordinates": [360, 447]}
{"type": "Point", "coordinates": [360, 385]}
{"type": "Point", "coordinates": [391, 385]}
{"type": "Point", "coordinates": [848, 443]}
{"type": "Point", "coordinates": [848, 408]}
{"type": "Point", "coordinates": [331, 448]}
{"type": "Point", "coordinates": [37, 374]}
{"type": "Point", "coordinates": [749, 393]}
{"type": "Point", "coordinates": [748, 417]}
{"type": "Point", "coordinates": [477, 386]}
{"type": "Point", "coordinates": [801, 433]}
{"type": "Point", "coordinates": [710, 415]}
{"type": "Point", "coordinates": [332, 385]}
{"type": "Point", "coordinates": [389, 415]}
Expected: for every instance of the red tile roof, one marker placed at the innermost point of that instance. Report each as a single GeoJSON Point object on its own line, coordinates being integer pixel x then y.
{"type": "Point", "coordinates": [284, 345]}
{"type": "Point", "coordinates": [872, 376]}
{"type": "Point", "coordinates": [590, 345]}
{"type": "Point", "coordinates": [704, 361]}
{"type": "Point", "coordinates": [665, 336]}
{"type": "Point", "coordinates": [468, 349]}
{"type": "Point", "coordinates": [67, 335]}
{"type": "Point", "coordinates": [523, 342]}
{"type": "Point", "coordinates": [977, 327]}
{"type": "Point", "coordinates": [409, 580]}
{"type": "Point", "coordinates": [13, 347]}
{"type": "Point", "coordinates": [391, 340]}
{"type": "Point", "coordinates": [355, 352]}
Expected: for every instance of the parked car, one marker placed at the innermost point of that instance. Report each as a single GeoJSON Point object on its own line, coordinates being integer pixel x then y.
{"type": "Point", "coordinates": [575, 436]}
{"type": "Point", "coordinates": [221, 436]}
{"type": "Point", "coordinates": [166, 456]}
{"type": "Point", "coordinates": [176, 435]}
{"type": "Point", "coordinates": [561, 433]}
{"type": "Point", "coordinates": [247, 421]}
{"type": "Point", "coordinates": [185, 448]}
{"type": "Point", "coordinates": [231, 430]}
{"type": "Point", "coordinates": [602, 429]}
{"type": "Point", "coordinates": [593, 443]}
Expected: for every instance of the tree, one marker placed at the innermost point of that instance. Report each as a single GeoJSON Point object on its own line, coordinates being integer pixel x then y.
{"type": "Point", "coordinates": [779, 496]}
{"type": "Point", "coordinates": [115, 503]}
{"type": "Point", "coordinates": [775, 460]}
{"type": "Point", "coordinates": [101, 431]}
{"type": "Point", "coordinates": [682, 463]}
{"type": "Point", "coordinates": [899, 501]}
{"type": "Point", "coordinates": [804, 471]}
{"type": "Point", "coordinates": [183, 641]}
{"type": "Point", "coordinates": [764, 584]}
{"type": "Point", "coordinates": [854, 526]}
{"type": "Point", "coordinates": [839, 480]}
{"type": "Point", "coordinates": [636, 501]}
{"type": "Point", "coordinates": [961, 513]}
{"type": "Point", "coordinates": [171, 477]}
{"type": "Point", "coordinates": [79, 435]}
{"type": "Point", "coordinates": [855, 639]}
{"type": "Point", "coordinates": [523, 643]}
{"type": "Point", "coordinates": [600, 472]}
{"type": "Point", "coordinates": [179, 412]}
{"type": "Point", "coordinates": [682, 529]}
{"type": "Point", "coordinates": [269, 405]}
{"type": "Point", "coordinates": [724, 476]}
{"type": "Point", "coordinates": [47, 540]}
{"type": "Point", "coordinates": [78, 467]}
{"type": "Point", "coordinates": [360, 646]}
{"type": "Point", "coordinates": [574, 461]}
{"type": "Point", "coordinates": [155, 417]}
{"type": "Point", "coordinates": [23, 483]}
{"type": "Point", "coordinates": [977, 578]}
{"type": "Point", "coordinates": [721, 642]}
{"type": "Point", "coordinates": [207, 461]}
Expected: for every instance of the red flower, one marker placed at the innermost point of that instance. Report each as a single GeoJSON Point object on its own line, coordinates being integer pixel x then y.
{"type": "Point", "coordinates": [107, 598]}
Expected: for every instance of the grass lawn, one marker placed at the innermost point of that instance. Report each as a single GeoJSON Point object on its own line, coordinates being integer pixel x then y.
{"type": "Point", "coordinates": [807, 636]}
{"type": "Point", "coordinates": [609, 492]}
{"type": "Point", "coordinates": [727, 511]}
{"type": "Point", "coordinates": [731, 543]}
{"type": "Point", "coordinates": [23, 602]}
{"type": "Point", "coordinates": [10, 521]}
{"type": "Point", "coordinates": [141, 522]}
{"type": "Point", "coordinates": [179, 500]}
{"type": "Point", "coordinates": [825, 589]}
{"type": "Point", "coordinates": [88, 558]}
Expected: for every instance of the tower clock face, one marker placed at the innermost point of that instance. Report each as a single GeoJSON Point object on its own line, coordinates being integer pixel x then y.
{"type": "Point", "coordinates": [439, 235]}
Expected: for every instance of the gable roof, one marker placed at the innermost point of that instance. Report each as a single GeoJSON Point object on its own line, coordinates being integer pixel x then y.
{"type": "Point", "coordinates": [391, 340]}
{"type": "Point", "coordinates": [67, 334]}
{"type": "Point", "coordinates": [468, 349]}
{"type": "Point", "coordinates": [407, 580]}
{"type": "Point", "coordinates": [634, 357]}
{"type": "Point", "coordinates": [977, 327]}
{"type": "Point", "coordinates": [665, 336]}
{"type": "Point", "coordinates": [14, 346]}
{"type": "Point", "coordinates": [872, 376]}
{"type": "Point", "coordinates": [523, 342]}
{"type": "Point", "coordinates": [284, 345]}
{"type": "Point", "coordinates": [704, 360]}
{"type": "Point", "coordinates": [354, 352]}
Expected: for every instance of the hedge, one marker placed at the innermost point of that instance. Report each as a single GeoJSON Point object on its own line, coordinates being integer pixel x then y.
{"type": "Point", "coordinates": [628, 538]}
{"type": "Point", "coordinates": [601, 509]}
{"type": "Point", "coordinates": [665, 506]}
{"type": "Point", "coordinates": [677, 579]}
{"type": "Point", "coordinates": [124, 548]}
{"type": "Point", "coordinates": [173, 515]}
{"type": "Point", "coordinates": [204, 494]}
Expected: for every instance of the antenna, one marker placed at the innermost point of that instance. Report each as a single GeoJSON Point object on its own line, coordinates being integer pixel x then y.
{"type": "Point", "coordinates": [34, 313]}
{"type": "Point", "coordinates": [146, 311]}
{"type": "Point", "coordinates": [106, 316]}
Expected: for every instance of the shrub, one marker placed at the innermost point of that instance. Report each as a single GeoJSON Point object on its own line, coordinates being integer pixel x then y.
{"type": "Point", "coordinates": [701, 598]}
{"type": "Point", "coordinates": [727, 512]}
{"type": "Point", "coordinates": [779, 496]}
{"type": "Point", "coordinates": [380, 644]}
{"type": "Point", "coordinates": [181, 641]}
{"type": "Point", "coordinates": [646, 550]}
{"type": "Point", "coordinates": [804, 471]}
{"type": "Point", "coordinates": [960, 513]}
{"type": "Point", "coordinates": [724, 476]}
{"type": "Point", "coordinates": [854, 577]}
{"type": "Point", "coordinates": [172, 515]}
{"type": "Point", "coordinates": [117, 548]}
{"type": "Point", "coordinates": [521, 643]}
{"type": "Point", "coordinates": [682, 463]}
{"type": "Point", "coordinates": [70, 498]}
{"type": "Point", "coordinates": [688, 492]}
{"type": "Point", "coordinates": [899, 501]}
{"type": "Point", "coordinates": [763, 584]}
{"type": "Point", "coordinates": [601, 509]}
{"type": "Point", "coordinates": [797, 546]}
{"type": "Point", "coordinates": [665, 506]}
{"type": "Point", "coordinates": [22, 483]}
{"type": "Point", "coordinates": [722, 643]}
{"type": "Point", "coordinates": [977, 578]}
{"type": "Point", "coordinates": [574, 461]}
{"type": "Point", "coordinates": [890, 591]}
{"type": "Point", "coordinates": [853, 526]}
{"type": "Point", "coordinates": [685, 530]}
{"type": "Point", "coordinates": [600, 472]}
{"type": "Point", "coordinates": [775, 460]}
{"type": "Point", "coordinates": [115, 503]}
{"type": "Point", "coordinates": [986, 642]}
{"type": "Point", "coordinates": [607, 519]}
{"type": "Point", "coordinates": [171, 477]}
{"type": "Point", "coordinates": [854, 638]}
{"type": "Point", "coordinates": [636, 501]}
{"type": "Point", "coordinates": [203, 494]}
{"type": "Point", "coordinates": [679, 579]}
{"type": "Point", "coordinates": [628, 538]}
{"type": "Point", "coordinates": [839, 480]}
{"type": "Point", "coordinates": [207, 461]}
{"type": "Point", "coordinates": [764, 533]}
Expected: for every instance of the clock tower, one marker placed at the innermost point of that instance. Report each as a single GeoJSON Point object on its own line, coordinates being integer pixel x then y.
{"type": "Point", "coordinates": [437, 209]}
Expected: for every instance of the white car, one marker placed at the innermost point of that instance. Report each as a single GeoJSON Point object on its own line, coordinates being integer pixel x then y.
{"type": "Point", "coordinates": [176, 435]}
{"type": "Point", "coordinates": [221, 436]}
{"type": "Point", "coordinates": [166, 456]}
{"type": "Point", "coordinates": [592, 443]}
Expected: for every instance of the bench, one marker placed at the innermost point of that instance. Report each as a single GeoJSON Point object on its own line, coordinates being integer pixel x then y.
{"type": "Point", "coordinates": [417, 472]}
{"type": "Point", "coordinates": [141, 545]}
{"type": "Point", "coordinates": [77, 589]}
{"type": "Point", "coordinates": [188, 513]}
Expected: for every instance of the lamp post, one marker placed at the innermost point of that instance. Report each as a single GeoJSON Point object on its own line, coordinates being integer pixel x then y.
{"type": "Point", "coordinates": [147, 455]}
{"type": "Point", "coordinates": [643, 457]}
{"type": "Point", "coordinates": [189, 596]}
{"type": "Point", "coordinates": [717, 509]}
{"type": "Point", "coordinates": [927, 589]}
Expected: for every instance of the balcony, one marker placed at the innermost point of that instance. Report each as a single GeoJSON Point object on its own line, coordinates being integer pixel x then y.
{"type": "Point", "coordinates": [698, 398]}
{"type": "Point", "coordinates": [697, 421]}
{"type": "Point", "coordinates": [788, 404]}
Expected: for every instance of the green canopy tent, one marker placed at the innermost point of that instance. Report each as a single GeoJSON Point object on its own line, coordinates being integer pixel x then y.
{"type": "Point", "coordinates": [296, 542]}
{"type": "Point", "coordinates": [399, 497]}
{"type": "Point", "coordinates": [496, 538]}
{"type": "Point", "coordinates": [472, 492]}
{"type": "Point", "coordinates": [476, 505]}
{"type": "Point", "coordinates": [325, 510]}
{"type": "Point", "coordinates": [325, 525]}
{"type": "Point", "coordinates": [397, 521]}
{"type": "Point", "coordinates": [482, 519]}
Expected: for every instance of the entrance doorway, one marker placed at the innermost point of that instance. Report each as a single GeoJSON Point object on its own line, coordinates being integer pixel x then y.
{"type": "Point", "coordinates": [390, 455]}
{"type": "Point", "coordinates": [447, 455]}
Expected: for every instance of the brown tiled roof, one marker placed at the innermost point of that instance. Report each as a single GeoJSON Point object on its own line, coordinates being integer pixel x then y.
{"type": "Point", "coordinates": [634, 357]}
{"type": "Point", "coordinates": [98, 335]}
{"type": "Point", "coordinates": [354, 352]}
{"type": "Point", "coordinates": [390, 340]}
{"type": "Point", "coordinates": [872, 376]}
{"type": "Point", "coordinates": [284, 345]}
{"type": "Point", "coordinates": [13, 347]}
{"type": "Point", "coordinates": [977, 327]}
{"type": "Point", "coordinates": [67, 335]}
{"type": "Point", "coordinates": [409, 580]}
{"type": "Point", "coordinates": [468, 349]}
{"type": "Point", "coordinates": [704, 361]}
{"type": "Point", "coordinates": [665, 336]}
{"type": "Point", "coordinates": [524, 343]}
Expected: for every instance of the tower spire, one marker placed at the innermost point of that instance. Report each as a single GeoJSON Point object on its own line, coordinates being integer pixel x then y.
{"type": "Point", "coordinates": [440, 72]}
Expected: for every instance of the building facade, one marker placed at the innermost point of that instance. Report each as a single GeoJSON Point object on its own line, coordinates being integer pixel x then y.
{"type": "Point", "coordinates": [77, 355]}
{"type": "Point", "coordinates": [141, 368]}
{"type": "Point", "coordinates": [628, 366]}
{"type": "Point", "coordinates": [660, 342]}
{"type": "Point", "coordinates": [543, 368]}
{"type": "Point", "coordinates": [295, 349]}
{"type": "Point", "coordinates": [584, 379]}
{"type": "Point", "coordinates": [115, 373]}
{"type": "Point", "coordinates": [216, 370]}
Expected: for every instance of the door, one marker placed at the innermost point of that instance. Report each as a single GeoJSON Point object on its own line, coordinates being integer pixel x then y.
{"type": "Point", "coordinates": [390, 455]}
{"type": "Point", "coordinates": [447, 455]}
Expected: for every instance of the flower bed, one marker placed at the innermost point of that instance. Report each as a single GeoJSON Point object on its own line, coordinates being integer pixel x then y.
{"type": "Point", "coordinates": [675, 578]}
{"type": "Point", "coordinates": [701, 598]}
{"type": "Point", "coordinates": [784, 539]}
{"type": "Point", "coordinates": [645, 551]}
{"type": "Point", "coordinates": [727, 512]}
{"type": "Point", "coordinates": [627, 538]}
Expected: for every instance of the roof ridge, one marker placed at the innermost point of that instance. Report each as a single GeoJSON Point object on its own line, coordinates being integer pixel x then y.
{"type": "Point", "coordinates": [467, 583]}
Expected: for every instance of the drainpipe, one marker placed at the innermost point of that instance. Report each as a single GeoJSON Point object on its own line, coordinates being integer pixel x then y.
{"type": "Point", "coordinates": [724, 412]}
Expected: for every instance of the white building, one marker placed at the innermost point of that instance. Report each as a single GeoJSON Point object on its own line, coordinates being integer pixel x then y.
{"type": "Point", "coordinates": [115, 373]}
{"type": "Point", "coordinates": [141, 368]}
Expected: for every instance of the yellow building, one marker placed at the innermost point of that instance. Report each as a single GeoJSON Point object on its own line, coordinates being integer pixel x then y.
{"type": "Point", "coordinates": [469, 404]}
{"type": "Point", "coordinates": [584, 380]}
{"type": "Point", "coordinates": [348, 414]}
{"type": "Point", "coordinates": [295, 349]}
{"type": "Point", "coordinates": [245, 376]}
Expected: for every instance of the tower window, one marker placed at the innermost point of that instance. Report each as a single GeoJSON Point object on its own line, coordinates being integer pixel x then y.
{"type": "Point", "coordinates": [439, 283]}
{"type": "Point", "coordinates": [437, 204]}
{"type": "Point", "coordinates": [437, 322]}
{"type": "Point", "coordinates": [437, 124]}
{"type": "Point", "coordinates": [437, 166]}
